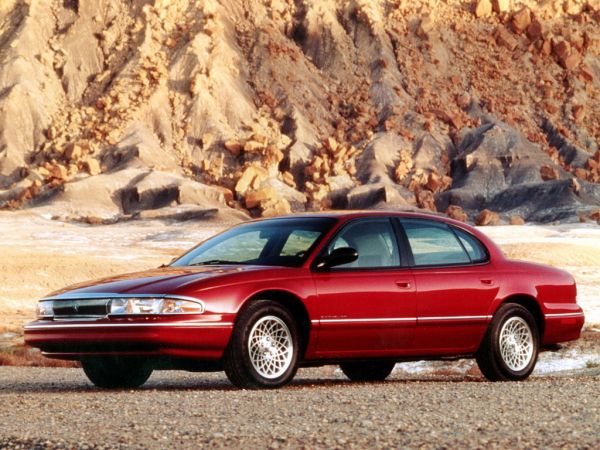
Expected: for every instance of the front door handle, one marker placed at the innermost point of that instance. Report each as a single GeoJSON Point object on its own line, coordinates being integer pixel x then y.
{"type": "Point", "coordinates": [487, 281]}
{"type": "Point", "coordinates": [403, 284]}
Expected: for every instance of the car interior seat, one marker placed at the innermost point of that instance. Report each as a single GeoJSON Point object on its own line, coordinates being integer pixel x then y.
{"type": "Point", "coordinates": [369, 241]}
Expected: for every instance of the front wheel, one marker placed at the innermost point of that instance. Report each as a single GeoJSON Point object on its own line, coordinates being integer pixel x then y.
{"type": "Point", "coordinates": [367, 370]}
{"type": "Point", "coordinates": [115, 372]}
{"type": "Point", "coordinates": [510, 347]}
{"type": "Point", "coordinates": [264, 346]}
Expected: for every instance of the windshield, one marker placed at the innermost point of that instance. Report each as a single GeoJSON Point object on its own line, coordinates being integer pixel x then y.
{"type": "Point", "coordinates": [275, 242]}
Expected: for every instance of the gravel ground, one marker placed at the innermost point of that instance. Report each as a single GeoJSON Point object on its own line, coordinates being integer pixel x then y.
{"type": "Point", "coordinates": [46, 408]}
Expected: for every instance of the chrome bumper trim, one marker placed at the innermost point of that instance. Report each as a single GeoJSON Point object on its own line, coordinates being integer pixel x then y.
{"type": "Point", "coordinates": [55, 325]}
{"type": "Point", "coordinates": [555, 315]}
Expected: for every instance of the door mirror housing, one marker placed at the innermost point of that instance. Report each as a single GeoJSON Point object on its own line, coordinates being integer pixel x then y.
{"type": "Point", "coordinates": [337, 257]}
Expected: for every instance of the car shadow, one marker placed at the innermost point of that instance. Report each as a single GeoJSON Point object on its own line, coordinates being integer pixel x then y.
{"type": "Point", "coordinates": [213, 384]}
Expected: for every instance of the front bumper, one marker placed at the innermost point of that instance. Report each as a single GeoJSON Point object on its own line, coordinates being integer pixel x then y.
{"type": "Point", "coordinates": [198, 337]}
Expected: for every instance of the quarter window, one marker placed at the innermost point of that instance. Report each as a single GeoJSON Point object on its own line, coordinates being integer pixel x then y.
{"type": "Point", "coordinates": [374, 241]}
{"type": "Point", "coordinates": [433, 243]}
{"type": "Point", "coordinates": [472, 245]}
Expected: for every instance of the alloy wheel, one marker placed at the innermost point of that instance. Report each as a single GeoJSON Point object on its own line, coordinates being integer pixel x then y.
{"type": "Point", "coordinates": [516, 343]}
{"type": "Point", "coordinates": [270, 347]}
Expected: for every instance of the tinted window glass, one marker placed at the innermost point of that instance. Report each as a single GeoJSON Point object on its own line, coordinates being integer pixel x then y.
{"type": "Point", "coordinates": [239, 248]}
{"type": "Point", "coordinates": [275, 242]}
{"type": "Point", "coordinates": [298, 242]}
{"type": "Point", "coordinates": [373, 240]}
{"type": "Point", "coordinates": [472, 245]}
{"type": "Point", "coordinates": [433, 243]}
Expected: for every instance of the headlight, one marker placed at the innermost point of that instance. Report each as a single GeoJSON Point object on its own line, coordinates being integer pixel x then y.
{"type": "Point", "coordinates": [124, 306]}
{"type": "Point", "coordinates": [44, 310]}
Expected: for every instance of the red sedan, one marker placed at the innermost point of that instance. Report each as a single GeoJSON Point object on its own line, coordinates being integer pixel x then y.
{"type": "Point", "coordinates": [362, 290]}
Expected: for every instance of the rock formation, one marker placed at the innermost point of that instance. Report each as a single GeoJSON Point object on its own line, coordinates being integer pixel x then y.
{"type": "Point", "coordinates": [175, 108]}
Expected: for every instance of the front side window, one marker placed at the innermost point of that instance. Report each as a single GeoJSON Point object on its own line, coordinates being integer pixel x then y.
{"type": "Point", "coordinates": [374, 242]}
{"type": "Point", "coordinates": [275, 242]}
{"type": "Point", "coordinates": [433, 243]}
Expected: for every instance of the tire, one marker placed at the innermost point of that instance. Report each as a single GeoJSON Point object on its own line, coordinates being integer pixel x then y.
{"type": "Point", "coordinates": [367, 370]}
{"type": "Point", "coordinates": [264, 346]}
{"type": "Point", "coordinates": [115, 372]}
{"type": "Point", "coordinates": [516, 358]}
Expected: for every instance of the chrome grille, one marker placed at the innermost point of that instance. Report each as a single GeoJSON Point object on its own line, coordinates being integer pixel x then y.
{"type": "Point", "coordinates": [81, 309]}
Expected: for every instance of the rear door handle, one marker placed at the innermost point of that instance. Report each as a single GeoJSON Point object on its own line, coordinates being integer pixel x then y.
{"type": "Point", "coordinates": [487, 281]}
{"type": "Point", "coordinates": [403, 284]}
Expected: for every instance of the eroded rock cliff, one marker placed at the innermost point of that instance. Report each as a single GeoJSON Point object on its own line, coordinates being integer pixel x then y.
{"type": "Point", "coordinates": [113, 109]}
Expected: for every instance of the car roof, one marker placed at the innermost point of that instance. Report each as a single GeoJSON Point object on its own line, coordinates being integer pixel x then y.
{"type": "Point", "coordinates": [351, 214]}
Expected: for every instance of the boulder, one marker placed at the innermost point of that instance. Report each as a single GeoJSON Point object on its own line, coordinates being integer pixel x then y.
{"type": "Point", "coordinates": [487, 217]}
{"type": "Point", "coordinates": [549, 173]}
{"type": "Point", "coordinates": [505, 38]}
{"type": "Point", "coordinates": [521, 20]}
{"type": "Point", "coordinates": [252, 177]}
{"type": "Point", "coordinates": [296, 199]}
{"type": "Point", "coordinates": [457, 213]}
{"type": "Point", "coordinates": [377, 195]}
{"type": "Point", "coordinates": [254, 198]}
{"type": "Point", "coordinates": [483, 8]}
{"type": "Point", "coordinates": [535, 30]}
{"type": "Point", "coordinates": [501, 6]}
{"type": "Point", "coordinates": [179, 213]}
{"type": "Point", "coordinates": [516, 220]}
{"type": "Point", "coordinates": [234, 146]}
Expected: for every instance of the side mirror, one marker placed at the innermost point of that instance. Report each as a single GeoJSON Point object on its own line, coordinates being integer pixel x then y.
{"type": "Point", "coordinates": [339, 256]}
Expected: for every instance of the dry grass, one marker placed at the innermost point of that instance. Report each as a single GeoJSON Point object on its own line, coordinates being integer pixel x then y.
{"type": "Point", "coordinates": [22, 355]}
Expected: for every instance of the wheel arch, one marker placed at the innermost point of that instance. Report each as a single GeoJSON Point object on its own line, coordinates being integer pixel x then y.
{"type": "Point", "coordinates": [292, 303]}
{"type": "Point", "coordinates": [532, 305]}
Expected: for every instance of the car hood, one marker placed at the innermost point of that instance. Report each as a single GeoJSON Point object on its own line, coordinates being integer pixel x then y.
{"type": "Point", "coordinates": [166, 280]}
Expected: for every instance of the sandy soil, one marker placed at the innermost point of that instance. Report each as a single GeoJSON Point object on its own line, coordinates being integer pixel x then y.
{"type": "Point", "coordinates": [41, 255]}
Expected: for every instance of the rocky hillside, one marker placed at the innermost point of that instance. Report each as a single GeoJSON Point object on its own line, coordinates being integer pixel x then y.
{"type": "Point", "coordinates": [488, 110]}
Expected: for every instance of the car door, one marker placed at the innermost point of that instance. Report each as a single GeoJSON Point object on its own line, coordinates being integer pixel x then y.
{"type": "Point", "coordinates": [367, 307]}
{"type": "Point", "coordinates": [455, 286]}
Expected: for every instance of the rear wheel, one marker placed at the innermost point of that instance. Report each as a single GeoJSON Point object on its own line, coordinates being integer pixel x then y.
{"type": "Point", "coordinates": [367, 370]}
{"type": "Point", "coordinates": [264, 346]}
{"type": "Point", "coordinates": [116, 372]}
{"type": "Point", "coordinates": [510, 347]}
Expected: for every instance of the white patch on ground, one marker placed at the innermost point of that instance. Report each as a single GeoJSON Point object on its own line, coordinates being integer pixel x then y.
{"type": "Point", "coordinates": [124, 241]}
{"type": "Point", "coordinates": [551, 362]}
{"type": "Point", "coordinates": [548, 363]}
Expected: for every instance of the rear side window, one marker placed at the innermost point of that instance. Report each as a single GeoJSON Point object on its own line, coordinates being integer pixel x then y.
{"type": "Point", "coordinates": [433, 243]}
{"type": "Point", "coordinates": [472, 245]}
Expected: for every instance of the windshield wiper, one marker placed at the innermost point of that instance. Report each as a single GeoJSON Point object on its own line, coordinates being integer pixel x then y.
{"type": "Point", "coordinates": [214, 262]}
